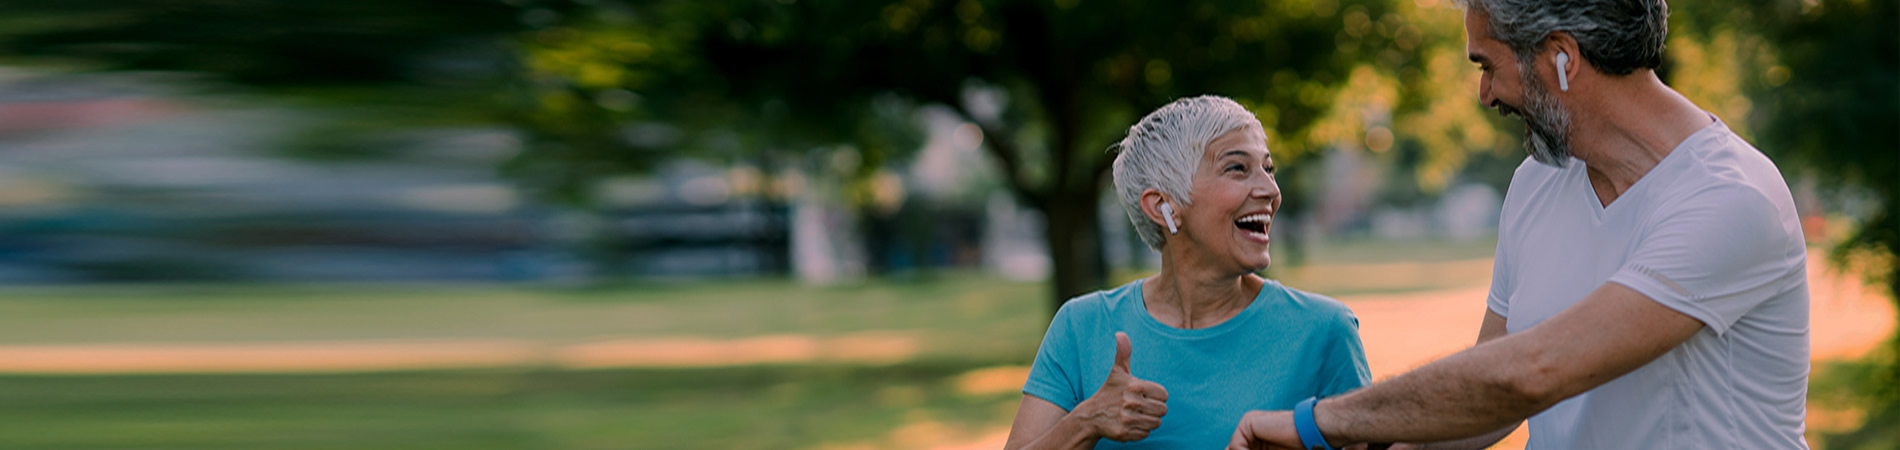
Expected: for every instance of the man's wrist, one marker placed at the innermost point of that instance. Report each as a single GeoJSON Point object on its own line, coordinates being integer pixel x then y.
{"type": "Point", "coordinates": [1335, 437]}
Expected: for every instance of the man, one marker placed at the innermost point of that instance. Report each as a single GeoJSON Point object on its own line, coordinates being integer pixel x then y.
{"type": "Point", "coordinates": [1650, 288]}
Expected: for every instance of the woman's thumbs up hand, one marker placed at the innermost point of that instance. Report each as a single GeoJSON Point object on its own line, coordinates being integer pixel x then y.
{"type": "Point", "coordinates": [1125, 408]}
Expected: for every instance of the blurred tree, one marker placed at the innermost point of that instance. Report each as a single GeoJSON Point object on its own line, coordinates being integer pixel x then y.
{"type": "Point", "coordinates": [602, 88]}
{"type": "Point", "coordinates": [1051, 84]}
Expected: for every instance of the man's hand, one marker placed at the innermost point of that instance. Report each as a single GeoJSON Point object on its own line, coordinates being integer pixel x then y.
{"type": "Point", "coordinates": [1125, 408]}
{"type": "Point", "coordinates": [1260, 430]}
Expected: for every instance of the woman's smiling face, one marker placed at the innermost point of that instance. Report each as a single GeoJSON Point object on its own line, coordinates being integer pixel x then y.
{"type": "Point", "coordinates": [1234, 199]}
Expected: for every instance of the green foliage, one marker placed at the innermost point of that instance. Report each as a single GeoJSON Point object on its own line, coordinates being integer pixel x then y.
{"type": "Point", "coordinates": [1837, 94]}
{"type": "Point", "coordinates": [266, 43]}
{"type": "Point", "coordinates": [1865, 386]}
{"type": "Point", "coordinates": [1836, 100]}
{"type": "Point", "coordinates": [600, 89]}
{"type": "Point", "coordinates": [366, 69]}
{"type": "Point", "coordinates": [1064, 80]}
{"type": "Point", "coordinates": [1074, 74]}
{"type": "Point", "coordinates": [604, 88]}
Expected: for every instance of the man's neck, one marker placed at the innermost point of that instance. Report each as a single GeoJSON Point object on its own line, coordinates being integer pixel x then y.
{"type": "Point", "coordinates": [1627, 127]}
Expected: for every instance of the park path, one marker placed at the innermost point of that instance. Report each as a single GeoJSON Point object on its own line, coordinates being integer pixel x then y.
{"type": "Point", "coordinates": [1400, 331]}
{"type": "Point", "coordinates": [1404, 331]}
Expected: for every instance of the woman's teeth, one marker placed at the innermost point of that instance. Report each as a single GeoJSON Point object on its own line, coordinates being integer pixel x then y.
{"type": "Point", "coordinates": [1255, 224]}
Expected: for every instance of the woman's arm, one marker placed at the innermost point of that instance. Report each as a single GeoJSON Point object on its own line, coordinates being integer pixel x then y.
{"type": "Point", "coordinates": [1124, 409]}
{"type": "Point", "coordinates": [1043, 425]}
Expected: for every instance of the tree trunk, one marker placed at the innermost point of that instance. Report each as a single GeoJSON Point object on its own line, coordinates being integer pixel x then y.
{"type": "Point", "coordinates": [1075, 245]}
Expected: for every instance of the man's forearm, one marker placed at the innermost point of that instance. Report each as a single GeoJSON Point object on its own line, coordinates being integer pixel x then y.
{"type": "Point", "coordinates": [1467, 394]}
{"type": "Point", "coordinates": [1480, 442]}
{"type": "Point", "coordinates": [1607, 334]}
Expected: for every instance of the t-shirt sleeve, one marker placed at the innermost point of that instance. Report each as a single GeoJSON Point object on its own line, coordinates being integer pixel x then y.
{"type": "Point", "coordinates": [1719, 255]}
{"type": "Point", "coordinates": [1499, 299]}
{"type": "Point", "coordinates": [1528, 176]}
{"type": "Point", "coordinates": [1053, 376]}
{"type": "Point", "coordinates": [1346, 361]}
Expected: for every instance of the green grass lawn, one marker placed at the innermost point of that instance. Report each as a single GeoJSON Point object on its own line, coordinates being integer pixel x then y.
{"type": "Point", "coordinates": [966, 321]}
{"type": "Point", "coordinates": [956, 304]}
{"type": "Point", "coordinates": [721, 408]}
{"type": "Point", "coordinates": [716, 408]}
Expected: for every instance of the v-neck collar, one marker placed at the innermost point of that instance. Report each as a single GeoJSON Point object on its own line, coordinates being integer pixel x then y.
{"type": "Point", "coordinates": [1599, 210]}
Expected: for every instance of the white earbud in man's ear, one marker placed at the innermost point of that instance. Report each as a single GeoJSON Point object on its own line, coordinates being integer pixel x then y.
{"type": "Point", "coordinates": [1563, 81]}
{"type": "Point", "coordinates": [1167, 214]}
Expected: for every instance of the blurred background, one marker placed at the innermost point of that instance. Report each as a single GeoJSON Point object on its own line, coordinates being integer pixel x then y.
{"type": "Point", "coordinates": [775, 223]}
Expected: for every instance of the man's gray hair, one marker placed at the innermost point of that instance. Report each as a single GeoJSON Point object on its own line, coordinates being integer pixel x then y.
{"type": "Point", "coordinates": [1617, 36]}
{"type": "Point", "coordinates": [1163, 150]}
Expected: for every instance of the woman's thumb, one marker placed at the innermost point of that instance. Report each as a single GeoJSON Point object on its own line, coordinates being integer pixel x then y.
{"type": "Point", "coordinates": [1122, 350]}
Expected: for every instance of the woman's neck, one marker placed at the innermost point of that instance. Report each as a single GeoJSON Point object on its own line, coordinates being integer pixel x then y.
{"type": "Point", "coordinates": [1190, 298]}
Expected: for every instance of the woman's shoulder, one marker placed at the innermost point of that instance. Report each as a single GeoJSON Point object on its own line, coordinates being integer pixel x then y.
{"type": "Point", "coordinates": [1100, 303]}
{"type": "Point", "coordinates": [1318, 305]}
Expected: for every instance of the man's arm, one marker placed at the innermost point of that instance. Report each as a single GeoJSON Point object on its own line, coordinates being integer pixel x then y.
{"type": "Point", "coordinates": [1495, 326]}
{"type": "Point", "coordinates": [1611, 332]}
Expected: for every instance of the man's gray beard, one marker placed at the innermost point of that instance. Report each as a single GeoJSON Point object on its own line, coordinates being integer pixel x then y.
{"type": "Point", "coordinates": [1546, 123]}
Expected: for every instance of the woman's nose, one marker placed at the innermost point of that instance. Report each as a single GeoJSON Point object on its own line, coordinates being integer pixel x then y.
{"type": "Point", "coordinates": [1266, 189]}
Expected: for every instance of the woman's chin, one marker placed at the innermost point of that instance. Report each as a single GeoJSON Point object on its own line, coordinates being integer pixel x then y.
{"type": "Point", "coordinates": [1257, 263]}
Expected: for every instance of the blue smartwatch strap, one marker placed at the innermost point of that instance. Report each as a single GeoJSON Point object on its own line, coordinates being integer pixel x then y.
{"type": "Point", "coordinates": [1309, 431]}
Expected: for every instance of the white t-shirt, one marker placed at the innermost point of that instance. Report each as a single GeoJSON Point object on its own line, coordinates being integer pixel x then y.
{"type": "Point", "coordinates": [1710, 232]}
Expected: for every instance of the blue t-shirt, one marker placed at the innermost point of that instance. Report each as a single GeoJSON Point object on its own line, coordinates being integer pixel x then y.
{"type": "Point", "coordinates": [1287, 346]}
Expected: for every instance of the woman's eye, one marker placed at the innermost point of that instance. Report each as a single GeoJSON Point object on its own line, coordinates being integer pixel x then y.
{"type": "Point", "coordinates": [1273, 169]}
{"type": "Point", "coordinates": [1235, 167]}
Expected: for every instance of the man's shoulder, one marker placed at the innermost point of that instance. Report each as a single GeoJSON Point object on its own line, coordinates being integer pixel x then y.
{"type": "Point", "coordinates": [1717, 164]}
{"type": "Point", "coordinates": [1728, 178]}
{"type": "Point", "coordinates": [1532, 172]}
{"type": "Point", "coordinates": [1534, 179]}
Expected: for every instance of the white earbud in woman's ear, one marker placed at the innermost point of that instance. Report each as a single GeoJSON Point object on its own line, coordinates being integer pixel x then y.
{"type": "Point", "coordinates": [1563, 80]}
{"type": "Point", "coordinates": [1167, 214]}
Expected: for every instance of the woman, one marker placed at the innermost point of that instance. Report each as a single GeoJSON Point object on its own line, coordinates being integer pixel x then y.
{"type": "Point", "coordinates": [1215, 340]}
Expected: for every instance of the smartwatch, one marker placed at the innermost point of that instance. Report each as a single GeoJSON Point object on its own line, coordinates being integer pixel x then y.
{"type": "Point", "coordinates": [1309, 431]}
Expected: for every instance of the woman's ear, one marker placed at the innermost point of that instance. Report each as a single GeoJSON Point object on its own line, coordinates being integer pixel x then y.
{"type": "Point", "coordinates": [1159, 210]}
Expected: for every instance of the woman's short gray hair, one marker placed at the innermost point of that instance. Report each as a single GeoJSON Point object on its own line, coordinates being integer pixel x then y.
{"type": "Point", "coordinates": [1617, 36]}
{"type": "Point", "coordinates": [1163, 150]}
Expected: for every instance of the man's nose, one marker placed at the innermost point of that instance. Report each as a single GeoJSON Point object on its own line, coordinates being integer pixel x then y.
{"type": "Point", "coordinates": [1485, 96]}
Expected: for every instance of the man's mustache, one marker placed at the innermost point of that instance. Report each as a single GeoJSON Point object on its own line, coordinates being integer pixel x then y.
{"type": "Point", "coordinates": [1506, 110]}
